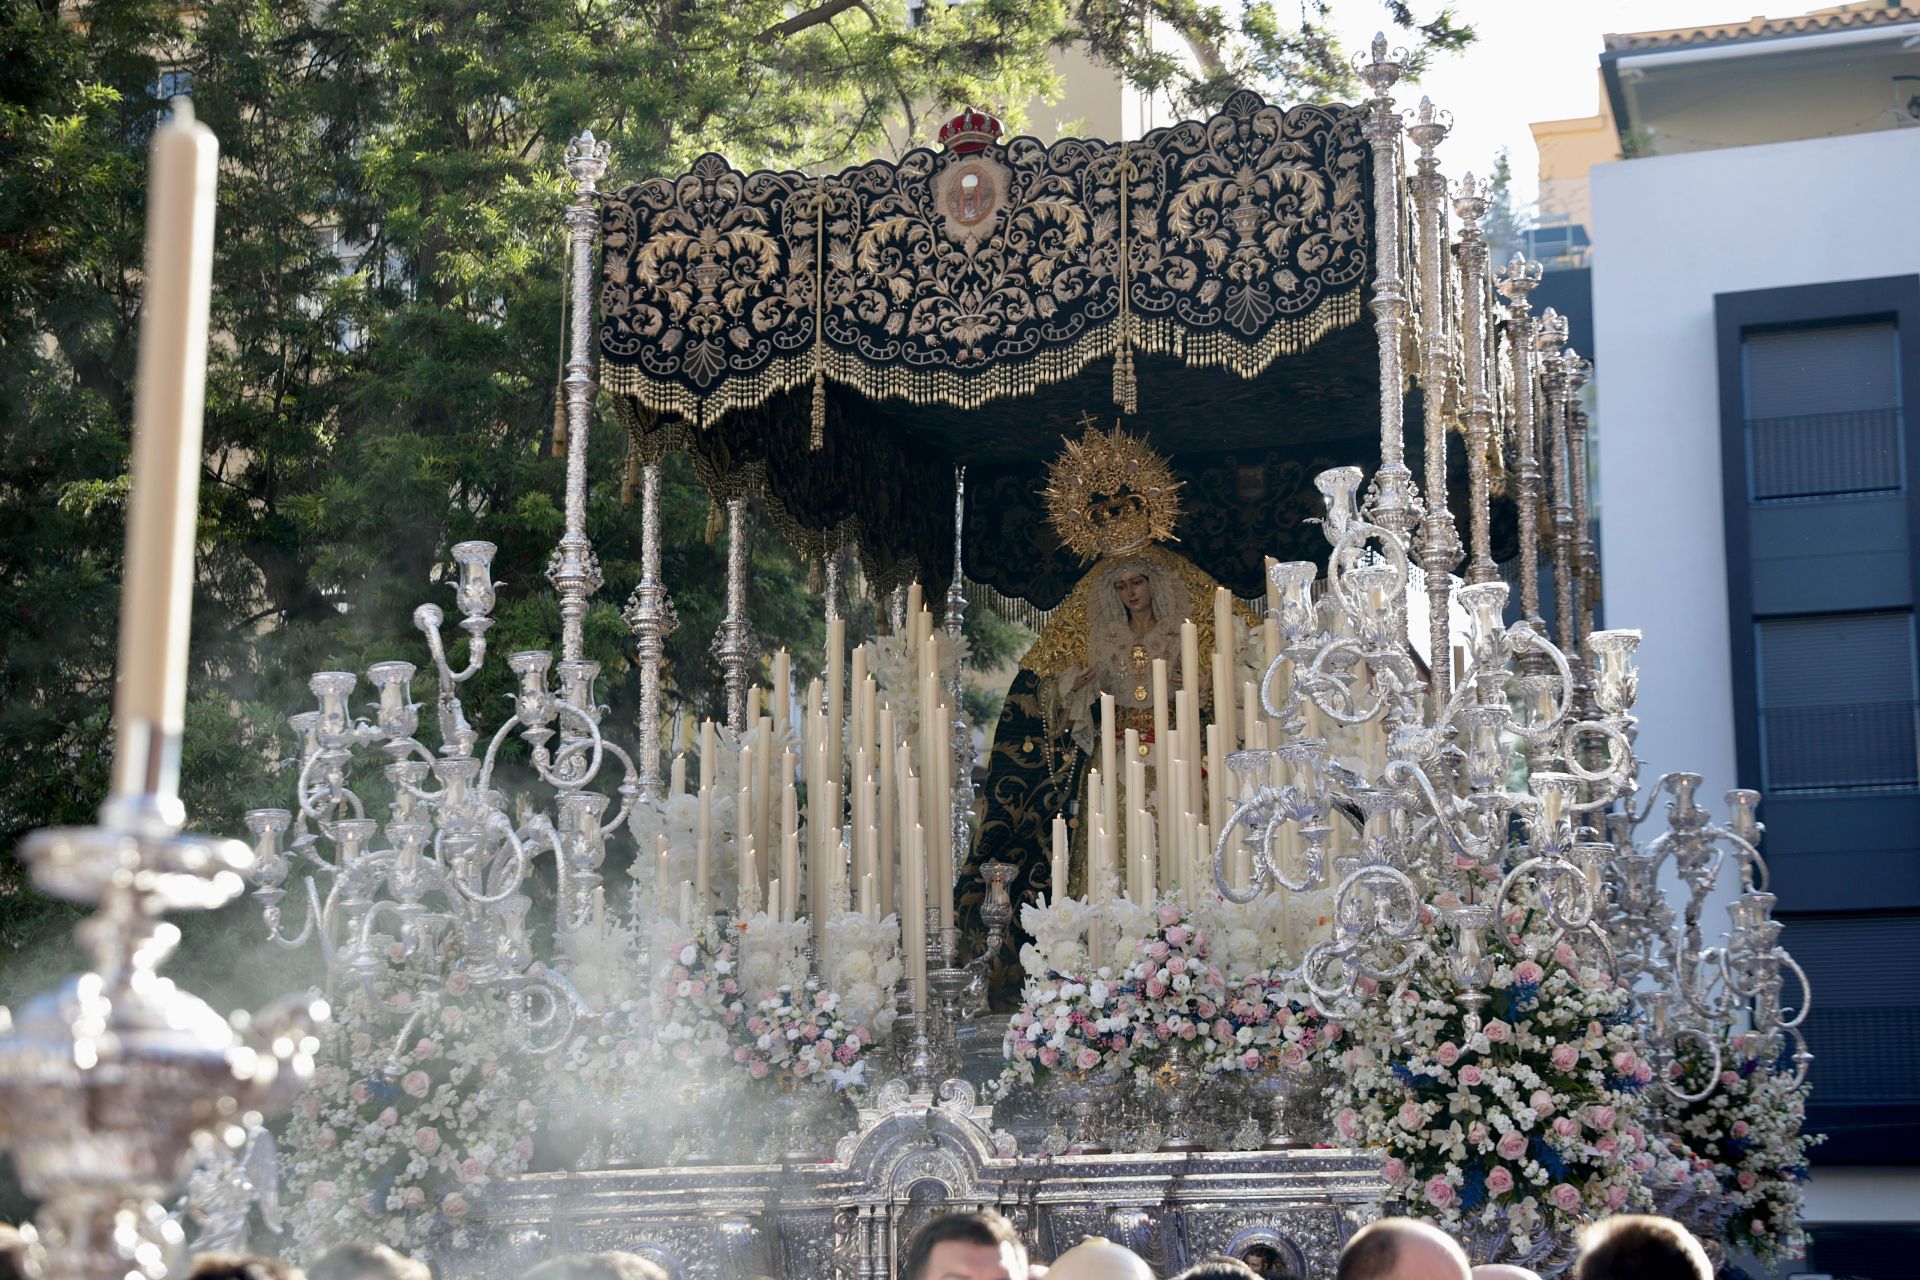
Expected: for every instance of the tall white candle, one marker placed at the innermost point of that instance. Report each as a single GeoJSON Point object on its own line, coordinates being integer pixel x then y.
{"type": "Point", "coordinates": [1109, 775]}
{"type": "Point", "coordinates": [156, 599]}
{"type": "Point", "coordinates": [678, 785]}
{"type": "Point", "coordinates": [913, 916]}
{"type": "Point", "coordinates": [783, 689]}
{"type": "Point", "coordinates": [836, 694]}
{"type": "Point", "coordinates": [1059, 859]}
{"type": "Point", "coordinates": [776, 900]}
{"type": "Point", "coordinates": [746, 876]}
{"type": "Point", "coordinates": [1161, 760]}
{"type": "Point", "coordinates": [889, 851]}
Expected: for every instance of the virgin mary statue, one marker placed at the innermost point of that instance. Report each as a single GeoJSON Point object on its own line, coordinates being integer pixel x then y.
{"type": "Point", "coordinates": [1114, 502]}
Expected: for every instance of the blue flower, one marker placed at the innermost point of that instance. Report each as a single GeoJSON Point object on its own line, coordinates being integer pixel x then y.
{"type": "Point", "coordinates": [1473, 1190]}
{"type": "Point", "coordinates": [1548, 1158]}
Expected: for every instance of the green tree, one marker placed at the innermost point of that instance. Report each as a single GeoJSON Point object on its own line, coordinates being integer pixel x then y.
{"type": "Point", "coordinates": [1506, 223]}
{"type": "Point", "coordinates": [389, 278]}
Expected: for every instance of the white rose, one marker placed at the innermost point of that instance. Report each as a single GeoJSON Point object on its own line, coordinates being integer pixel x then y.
{"type": "Point", "coordinates": [689, 954]}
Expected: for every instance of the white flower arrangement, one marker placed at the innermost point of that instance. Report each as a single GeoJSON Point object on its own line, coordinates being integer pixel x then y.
{"type": "Point", "coordinates": [1749, 1134]}
{"type": "Point", "coordinates": [1529, 1122]}
{"type": "Point", "coordinates": [895, 669]}
{"type": "Point", "coordinates": [862, 967]}
{"type": "Point", "coordinates": [772, 952]}
{"type": "Point", "coordinates": [404, 1156]}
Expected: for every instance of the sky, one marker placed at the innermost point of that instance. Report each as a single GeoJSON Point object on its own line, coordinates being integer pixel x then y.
{"type": "Point", "coordinates": [1534, 60]}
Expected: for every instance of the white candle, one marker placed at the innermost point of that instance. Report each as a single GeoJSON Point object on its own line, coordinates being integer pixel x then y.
{"type": "Point", "coordinates": [1109, 775]}
{"type": "Point", "coordinates": [156, 600]}
{"type": "Point", "coordinates": [703, 862]}
{"type": "Point", "coordinates": [836, 693]}
{"type": "Point", "coordinates": [1224, 648]}
{"type": "Point", "coordinates": [763, 797]}
{"type": "Point", "coordinates": [686, 904]}
{"type": "Point", "coordinates": [889, 852]}
{"type": "Point", "coordinates": [776, 900]}
{"type": "Point", "coordinates": [679, 784]}
{"type": "Point", "coordinates": [783, 688]}
{"type": "Point", "coordinates": [789, 876]}
{"type": "Point", "coordinates": [1059, 858]}
{"type": "Point", "coordinates": [866, 896]}
{"type": "Point", "coordinates": [1161, 760]}
{"type": "Point", "coordinates": [662, 880]}
{"type": "Point", "coordinates": [746, 876]}
{"type": "Point", "coordinates": [913, 916]}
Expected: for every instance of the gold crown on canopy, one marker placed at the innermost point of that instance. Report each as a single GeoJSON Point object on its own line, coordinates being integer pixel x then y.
{"type": "Point", "coordinates": [1109, 493]}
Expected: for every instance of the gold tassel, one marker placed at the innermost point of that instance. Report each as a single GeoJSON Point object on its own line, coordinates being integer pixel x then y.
{"type": "Point", "coordinates": [631, 479]}
{"type": "Point", "coordinates": [816, 579]}
{"type": "Point", "coordinates": [559, 449]}
{"type": "Point", "coordinates": [1126, 386]}
{"type": "Point", "coordinates": [716, 521]}
{"type": "Point", "coordinates": [819, 438]}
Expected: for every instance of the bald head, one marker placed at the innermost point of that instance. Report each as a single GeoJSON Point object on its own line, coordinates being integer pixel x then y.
{"type": "Point", "coordinates": [1402, 1249]}
{"type": "Point", "coordinates": [1503, 1271]}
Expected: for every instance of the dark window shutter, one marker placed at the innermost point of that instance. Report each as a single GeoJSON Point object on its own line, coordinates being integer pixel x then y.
{"type": "Point", "coordinates": [1837, 701]}
{"type": "Point", "coordinates": [1823, 411]}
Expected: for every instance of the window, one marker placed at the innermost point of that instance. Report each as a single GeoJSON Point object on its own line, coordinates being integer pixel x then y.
{"type": "Point", "coordinates": [1823, 411]}
{"type": "Point", "coordinates": [1864, 1025]}
{"type": "Point", "coordinates": [1837, 702]}
{"type": "Point", "coordinates": [174, 84]}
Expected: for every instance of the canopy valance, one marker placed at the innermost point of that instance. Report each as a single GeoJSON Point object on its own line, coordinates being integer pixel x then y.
{"type": "Point", "coordinates": [987, 270]}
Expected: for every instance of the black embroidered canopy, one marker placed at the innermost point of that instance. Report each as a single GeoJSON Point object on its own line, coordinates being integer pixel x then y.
{"type": "Point", "coordinates": [841, 342]}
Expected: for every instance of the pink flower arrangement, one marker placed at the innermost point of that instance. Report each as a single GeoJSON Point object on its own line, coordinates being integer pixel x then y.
{"type": "Point", "coordinates": [801, 1034]}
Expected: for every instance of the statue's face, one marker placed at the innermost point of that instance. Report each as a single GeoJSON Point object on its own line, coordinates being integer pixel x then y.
{"type": "Point", "coordinates": [1135, 592]}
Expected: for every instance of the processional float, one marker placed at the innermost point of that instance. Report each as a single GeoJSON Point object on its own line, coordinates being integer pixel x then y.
{"type": "Point", "coordinates": [1206, 921]}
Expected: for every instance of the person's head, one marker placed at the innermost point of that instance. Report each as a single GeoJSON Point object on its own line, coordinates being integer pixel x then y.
{"type": "Point", "coordinates": [13, 1253]}
{"type": "Point", "coordinates": [242, 1266]}
{"type": "Point", "coordinates": [612, 1265]}
{"type": "Point", "coordinates": [1402, 1249]}
{"type": "Point", "coordinates": [366, 1262]}
{"type": "Point", "coordinates": [1503, 1271]}
{"type": "Point", "coordinates": [1219, 1269]}
{"type": "Point", "coordinates": [1264, 1260]}
{"type": "Point", "coordinates": [1097, 1259]}
{"type": "Point", "coordinates": [1643, 1247]}
{"type": "Point", "coordinates": [1135, 591]}
{"type": "Point", "coordinates": [980, 1245]}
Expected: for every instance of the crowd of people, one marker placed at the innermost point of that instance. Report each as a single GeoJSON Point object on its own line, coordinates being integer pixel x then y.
{"type": "Point", "coordinates": [983, 1245]}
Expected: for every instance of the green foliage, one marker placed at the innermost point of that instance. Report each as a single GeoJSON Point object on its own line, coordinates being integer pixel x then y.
{"type": "Point", "coordinates": [389, 277]}
{"type": "Point", "coordinates": [1506, 223]}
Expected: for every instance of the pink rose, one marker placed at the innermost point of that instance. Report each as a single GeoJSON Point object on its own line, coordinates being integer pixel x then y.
{"type": "Point", "coordinates": [1601, 1117]}
{"type": "Point", "coordinates": [1616, 1199]}
{"type": "Point", "coordinates": [523, 1149]}
{"type": "Point", "coordinates": [1746, 1180]}
{"type": "Point", "coordinates": [1741, 1129]}
{"type": "Point", "coordinates": [1447, 1054]}
{"type": "Point", "coordinates": [1411, 1117]}
{"type": "Point", "coordinates": [426, 1139]}
{"type": "Point", "coordinates": [1565, 1197]}
{"type": "Point", "coordinates": [1169, 916]}
{"type": "Point", "coordinates": [413, 1198]}
{"type": "Point", "coordinates": [1439, 1192]}
{"type": "Point", "coordinates": [1477, 1133]}
{"type": "Point", "coordinates": [389, 1117]}
{"type": "Point", "coordinates": [1625, 1061]}
{"type": "Point", "coordinates": [1542, 1102]}
{"type": "Point", "coordinates": [1087, 1059]}
{"type": "Point", "coordinates": [1498, 1032]}
{"type": "Point", "coordinates": [1565, 1057]}
{"type": "Point", "coordinates": [1512, 1145]}
{"type": "Point", "coordinates": [1470, 1075]}
{"type": "Point", "coordinates": [1499, 1182]}
{"type": "Point", "coordinates": [360, 1092]}
{"type": "Point", "coordinates": [1393, 1169]}
{"type": "Point", "coordinates": [1177, 936]}
{"type": "Point", "coordinates": [1222, 1031]}
{"type": "Point", "coordinates": [1156, 989]}
{"type": "Point", "coordinates": [1332, 1032]}
{"type": "Point", "coordinates": [758, 1069]}
{"type": "Point", "coordinates": [424, 1050]}
{"type": "Point", "coordinates": [1293, 1056]}
{"type": "Point", "coordinates": [325, 1139]}
{"type": "Point", "coordinates": [362, 1041]}
{"type": "Point", "coordinates": [1347, 1123]}
{"type": "Point", "coordinates": [1367, 986]}
{"type": "Point", "coordinates": [1606, 1146]}
{"type": "Point", "coordinates": [416, 1084]}
{"type": "Point", "coordinates": [1564, 957]}
{"type": "Point", "coordinates": [454, 1206]}
{"type": "Point", "coordinates": [1566, 1126]}
{"type": "Point", "coordinates": [310, 1107]}
{"type": "Point", "coordinates": [457, 983]}
{"type": "Point", "coordinates": [1527, 973]}
{"type": "Point", "coordinates": [1250, 1060]}
{"type": "Point", "coordinates": [1049, 1057]}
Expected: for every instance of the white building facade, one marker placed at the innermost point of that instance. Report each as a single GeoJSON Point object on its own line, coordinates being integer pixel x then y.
{"type": "Point", "coordinates": [1756, 322]}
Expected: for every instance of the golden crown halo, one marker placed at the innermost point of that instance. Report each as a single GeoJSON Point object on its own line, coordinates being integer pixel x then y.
{"type": "Point", "coordinates": [1109, 493]}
